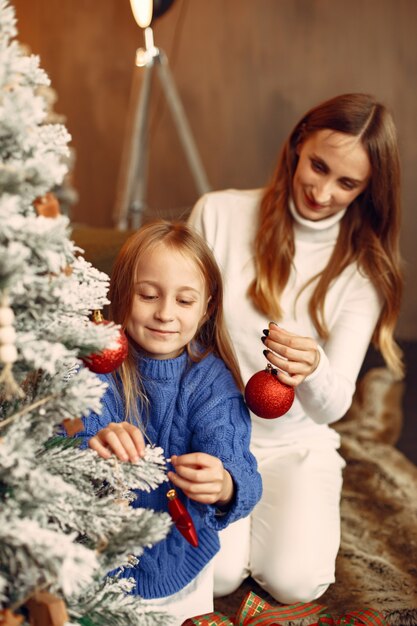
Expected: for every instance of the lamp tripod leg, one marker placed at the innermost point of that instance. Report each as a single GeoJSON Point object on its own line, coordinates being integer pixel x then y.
{"type": "Point", "coordinates": [132, 183]}
{"type": "Point", "coordinates": [131, 190]}
{"type": "Point", "coordinates": [181, 123]}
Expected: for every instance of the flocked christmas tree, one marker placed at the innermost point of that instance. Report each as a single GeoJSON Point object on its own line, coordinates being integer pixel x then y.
{"type": "Point", "coordinates": [61, 531]}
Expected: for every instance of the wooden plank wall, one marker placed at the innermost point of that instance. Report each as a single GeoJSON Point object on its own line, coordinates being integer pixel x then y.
{"type": "Point", "coordinates": [246, 70]}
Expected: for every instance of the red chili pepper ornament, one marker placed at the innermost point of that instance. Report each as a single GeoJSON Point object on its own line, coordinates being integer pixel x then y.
{"type": "Point", "coordinates": [181, 518]}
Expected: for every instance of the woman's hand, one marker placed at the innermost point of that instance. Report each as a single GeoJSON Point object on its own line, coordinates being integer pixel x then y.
{"type": "Point", "coordinates": [295, 357]}
{"type": "Point", "coordinates": [122, 439]}
{"type": "Point", "coordinates": [202, 478]}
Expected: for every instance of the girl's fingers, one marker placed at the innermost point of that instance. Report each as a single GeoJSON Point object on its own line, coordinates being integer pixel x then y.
{"type": "Point", "coordinates": [206, 493]}
{"type": "Point", "coordinates": [123, 444]}
{"type": "Point", "coordinates": [136, 437]}
{"type": "Point", "coordinates": [102, 450]}
{"type": "Point", "coordinates": [198, 467]}
{"type": "Point", "coordinates": [201, 477]}
{"type": "Point", "coordinates": [197, 475]}
{"type": "Point", "coordinates": [191, 486]}
{"type": "Point", "coordinates": [114, 443]}
{"type": "Point", "coordinates": [124, 440]}
{"type": "Point", "coordinates": [194, 459]}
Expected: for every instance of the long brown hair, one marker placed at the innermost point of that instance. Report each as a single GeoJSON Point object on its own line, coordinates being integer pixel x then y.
{"type": "Point", "coordinates": [370, 228]}
{"type": "Point", "coordinates": [211, 337]}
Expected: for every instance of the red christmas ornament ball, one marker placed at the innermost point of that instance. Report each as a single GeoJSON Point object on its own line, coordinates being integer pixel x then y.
{"type": "Point", "coordinates": [108, 359]}
{"type": "Point", "coordinates": [267, 396]}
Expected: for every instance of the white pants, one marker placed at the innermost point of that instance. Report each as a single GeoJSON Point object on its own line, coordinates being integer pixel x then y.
{"type": "Point", "coordinates": [195, 599]}
{"type": "Point", "coordinates": [290, 541]}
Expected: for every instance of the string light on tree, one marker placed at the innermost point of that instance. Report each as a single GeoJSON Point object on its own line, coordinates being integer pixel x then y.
{"type": "Point", "coordinates": [8, 351]}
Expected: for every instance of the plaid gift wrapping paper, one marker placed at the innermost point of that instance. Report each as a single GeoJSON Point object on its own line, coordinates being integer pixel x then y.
{"type": "Point", "coordinates": [257, 612]}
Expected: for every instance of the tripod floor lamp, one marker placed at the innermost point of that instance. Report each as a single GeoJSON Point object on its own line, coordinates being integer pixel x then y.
{"type": "Point", "coordinates": [132, 184]}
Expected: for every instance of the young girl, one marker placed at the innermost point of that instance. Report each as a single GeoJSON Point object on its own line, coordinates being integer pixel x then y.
{"type": "Point", "coordinates": [181, 386]}
{"type": "Point", "coordinates": [316, 251]}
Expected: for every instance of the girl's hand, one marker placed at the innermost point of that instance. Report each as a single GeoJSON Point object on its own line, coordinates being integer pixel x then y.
{"type": "Point", "coordinates": [122, 439]}
{"type": "Point", "coordinates": [202, 478]}
{"type": "Point", "coordinates": [296, 357]}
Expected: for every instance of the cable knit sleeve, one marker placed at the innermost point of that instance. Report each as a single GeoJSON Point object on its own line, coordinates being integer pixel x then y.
{"type": "Point", "coordinates": [221, 427]}
{"type": "Point", "coordinates": [327, 393]}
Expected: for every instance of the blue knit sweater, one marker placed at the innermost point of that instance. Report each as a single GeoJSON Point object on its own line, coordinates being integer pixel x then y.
{"type": "Point", "coordinates": [193, 407]}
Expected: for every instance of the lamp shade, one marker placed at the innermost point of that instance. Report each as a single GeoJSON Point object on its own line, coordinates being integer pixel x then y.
{"type": "Point", "coordinates": [160, 6]}
{"type": "Point", "coordinates": [142, 12]}
{"type": "Point", "coordinates": [147, 11]}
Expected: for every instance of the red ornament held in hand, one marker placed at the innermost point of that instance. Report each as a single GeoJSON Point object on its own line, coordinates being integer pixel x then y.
{"type": "Point", "coordinates": [267, 396]}
{"type": "Point", "coordinates": [108, 359]}
{"type": "Point", "coordinates": [181, 518]}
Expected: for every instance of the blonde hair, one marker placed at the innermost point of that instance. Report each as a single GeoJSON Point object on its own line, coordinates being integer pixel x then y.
{"type": "Point", "coordinates": [370, 228]}
{"type": "Point", "coordinates": [211, 337]}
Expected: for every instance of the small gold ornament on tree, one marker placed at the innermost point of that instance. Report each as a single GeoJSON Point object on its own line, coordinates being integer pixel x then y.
{"type": "Point", "coordinates": [8, 618]}
{"type": "Point", "coordinates": [47, 205]}
{"type": "Point", "coordinates": [73, 426]}
{"type": "Point", "coordinates": [45, 609]}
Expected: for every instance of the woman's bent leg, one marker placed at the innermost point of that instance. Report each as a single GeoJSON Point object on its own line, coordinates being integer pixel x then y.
{"type": "Point", "coordinates": [296, 526]}
{"type": "Point", "coordinates": [231, 563]}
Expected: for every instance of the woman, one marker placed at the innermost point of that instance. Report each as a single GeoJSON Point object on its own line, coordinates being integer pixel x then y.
{"type": "Point", "coordinates": [316, 251]}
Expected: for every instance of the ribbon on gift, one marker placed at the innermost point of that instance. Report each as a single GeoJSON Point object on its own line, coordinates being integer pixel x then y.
{"type": "Point", "coordinates": [364, 617]}
{"type": "Point", "coordinates": [254, 611]}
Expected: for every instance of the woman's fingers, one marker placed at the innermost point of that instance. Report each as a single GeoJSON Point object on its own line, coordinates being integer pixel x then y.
{"type": "Point", "coordinates": [294, 356]}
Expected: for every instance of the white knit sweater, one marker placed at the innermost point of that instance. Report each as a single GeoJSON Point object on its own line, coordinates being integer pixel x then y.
{"type": "Point", "coordinates": [227, 220]}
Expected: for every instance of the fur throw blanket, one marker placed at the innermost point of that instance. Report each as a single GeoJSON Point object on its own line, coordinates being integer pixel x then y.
{"type": "Point", "coordinates": [377, 562]}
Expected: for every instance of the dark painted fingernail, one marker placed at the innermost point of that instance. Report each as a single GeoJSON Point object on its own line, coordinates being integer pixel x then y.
{"type": "Point", "coordinates": [265, 332]}
{"type": "Point", "coordinates": [263, 339]}
{"type": "Point", "coordinates": [265, 352]}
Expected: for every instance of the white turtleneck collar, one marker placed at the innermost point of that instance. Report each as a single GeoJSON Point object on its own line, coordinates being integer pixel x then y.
{"type": "Point", "coordinates": [321, 230]}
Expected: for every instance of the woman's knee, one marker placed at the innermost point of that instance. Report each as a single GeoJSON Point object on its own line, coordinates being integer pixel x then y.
{"type": "Point", "coordinates": [290, 587]}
